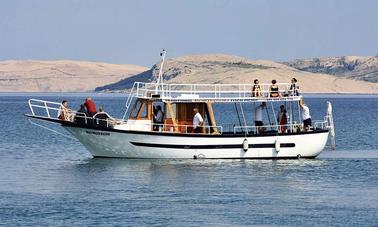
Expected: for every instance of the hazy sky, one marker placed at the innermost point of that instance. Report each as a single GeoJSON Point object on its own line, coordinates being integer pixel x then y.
{"type": "Point", "coordinates": [135, 31]}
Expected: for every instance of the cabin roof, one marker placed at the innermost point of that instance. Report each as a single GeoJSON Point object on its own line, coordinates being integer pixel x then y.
{"type": "Point", "coordinates": [223, 93]}
{"type": "Point", "coordinates": [226, 99]}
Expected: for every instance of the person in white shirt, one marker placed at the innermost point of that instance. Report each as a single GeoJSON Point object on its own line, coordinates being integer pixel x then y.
{"type": "Point", "coordinates": [305, 115]}
{"type": "Point", "coordinates": [197, 121]}
{"type": "Point", "coordinates": [259, 115]}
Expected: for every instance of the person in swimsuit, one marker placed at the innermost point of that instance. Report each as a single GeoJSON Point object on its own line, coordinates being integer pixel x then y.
{"type": "Point", "coordinates": [274, 90]}
{"type": "Point", "coordinates": [256, 89]}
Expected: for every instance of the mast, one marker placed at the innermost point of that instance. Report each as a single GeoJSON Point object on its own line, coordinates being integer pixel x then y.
{"type": "Point", "coordinates": [160, 81]}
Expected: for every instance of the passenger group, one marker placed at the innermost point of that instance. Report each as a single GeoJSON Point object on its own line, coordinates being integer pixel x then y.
{"type": "Point", "coordinates": [87, 114]}
{"type": "Point", "coordinates": [282, 119]}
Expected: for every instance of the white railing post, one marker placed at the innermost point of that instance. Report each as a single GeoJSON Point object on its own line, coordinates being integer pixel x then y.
{"type": "Point", "coordinates": [31, 107]}
{"type": "Point", "coordinates": [47, 110]}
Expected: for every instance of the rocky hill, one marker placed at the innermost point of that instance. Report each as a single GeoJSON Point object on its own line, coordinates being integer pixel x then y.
{"type": "Point", "coordinates": [220, 68]}
{"type": "Point", "coordinates": [57, 76]}
{"type": "Point", "coordinates": [354, 67]}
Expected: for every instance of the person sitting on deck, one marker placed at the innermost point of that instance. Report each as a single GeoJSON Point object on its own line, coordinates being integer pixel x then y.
{"type": "Point", "coordinates": [158, 119]}
{"type": "Point", "coordinates": [282, 119]}
{"type": "Point", "coordinates": [103, 118]}
{"type": "Point", "coordinates": [65, 113]}
{"type": "Point", "coordinates": [197, 121]}
{"type": "Point", "coordinates": [294, 87]}
{"type": "Point", "coordinates": [91, 107]}
{"type": "Point", "coordinates": [305, 115]}
{"type": "Point", "coordinates": [256, 89]}
{"type": "Point", "coordinates": [259, 117]}
{"type": "Point", "coordinates": [81, 115]}
{"type": "Point", "coordinates": [274, 90]}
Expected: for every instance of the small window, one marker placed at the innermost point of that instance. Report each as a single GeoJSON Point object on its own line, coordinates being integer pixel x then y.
{"type": "Point", "coordinates": [144, 112]}
{"type": "Point", "coordinates": [136, 110]}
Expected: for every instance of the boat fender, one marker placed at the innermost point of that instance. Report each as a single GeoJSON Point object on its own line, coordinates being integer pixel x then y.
{"type": "Point", "coordinates": [277, 145]}
{"type": "Point", "coordinates": [245, 145]}
{"type": "Point", "coordinates": [299, 156]}
{"type": "Point", "coordinates": [199, 156]}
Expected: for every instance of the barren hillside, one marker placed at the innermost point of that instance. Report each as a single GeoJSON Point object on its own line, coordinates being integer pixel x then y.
{"type": "Point", "coordinates": [56, 76]}
{"type": "Point", "coordinates": [353, 67]}
{"type": "Point", "coordinates": [233, 69]}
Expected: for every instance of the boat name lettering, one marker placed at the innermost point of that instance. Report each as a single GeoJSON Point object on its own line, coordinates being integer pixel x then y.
{"type": "Point", "coordinates": [98, 133]}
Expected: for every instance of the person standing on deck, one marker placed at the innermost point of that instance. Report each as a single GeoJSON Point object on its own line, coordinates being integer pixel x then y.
{"type": "Point", "coordinates": [259, 115]}
{"type": "Point", "coordinates": [91, 107]}
{"type": "Point", "coordinates": [158, 119]}
{"type": "Point", "coordinates": [197, 121]}
{"type": "Point", "coordinates": [305, 115]}
{"type": "Point", "coordinates": [282, 119]}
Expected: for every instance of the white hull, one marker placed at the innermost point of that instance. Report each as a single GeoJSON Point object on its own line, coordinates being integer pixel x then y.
{"type": "Point", "coordinates": [153, 145]}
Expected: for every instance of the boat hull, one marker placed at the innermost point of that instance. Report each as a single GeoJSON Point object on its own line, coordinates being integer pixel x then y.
{"type": "Point", "coordinates": [133, 144]}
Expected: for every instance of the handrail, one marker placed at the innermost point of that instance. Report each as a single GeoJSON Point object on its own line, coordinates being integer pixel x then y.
{"type": "Point", "coordinates": [317, 125]}
{"type": "Point", "coordinates": [45, 105]}
{"type": "Point", "coordinates": [49, 106]}
{"type": "Point", "coordinates": [172, 126]}
{"type": "Point", "coordinates": [145, 90]}
{"type": "Point", "coordinates": [128, 101]}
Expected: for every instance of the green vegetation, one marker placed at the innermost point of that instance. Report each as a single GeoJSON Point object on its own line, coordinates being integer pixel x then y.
{"type": "Point", "coordinates": [239, 64]}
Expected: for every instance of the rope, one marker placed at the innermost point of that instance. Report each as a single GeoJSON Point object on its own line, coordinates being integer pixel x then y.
{"type": "Point", "coordinates": [275, 117]}
{"type": "Point", "coordinates": [245, 122]}
{"type": "Point", "coordinates": [237, 112]}
{"type": "Point", "coordinates": [52, 130]}
{"type": "Point", "coordinates": [267, 112]}
{"type": "Point", "coordinates": [242, 112]}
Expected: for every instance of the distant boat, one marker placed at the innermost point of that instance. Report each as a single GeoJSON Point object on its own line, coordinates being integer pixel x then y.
{"type": "Point", "coordinates": [138, 135]}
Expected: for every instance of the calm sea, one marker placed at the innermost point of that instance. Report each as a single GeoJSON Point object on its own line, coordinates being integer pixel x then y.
{"type": "Point", "coordinates": [50, 180]}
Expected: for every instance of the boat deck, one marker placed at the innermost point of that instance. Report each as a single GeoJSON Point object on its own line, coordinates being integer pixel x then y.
{"type": "Point", "coordinates": [210, 92]}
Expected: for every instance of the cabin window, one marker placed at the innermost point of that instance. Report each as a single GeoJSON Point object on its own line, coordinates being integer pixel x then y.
{"type": "Point", "coordinates": [143, 111]}
{"type": "Point", "coordinates": [138, 104]}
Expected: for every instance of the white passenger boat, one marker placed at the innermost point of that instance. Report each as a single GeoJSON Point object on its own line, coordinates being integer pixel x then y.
{"type": "Point", "coordinates": [137, 136]}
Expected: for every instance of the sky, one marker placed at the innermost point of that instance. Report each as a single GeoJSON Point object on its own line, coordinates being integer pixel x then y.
{"type": "Point", "coordinates": [134, 32]}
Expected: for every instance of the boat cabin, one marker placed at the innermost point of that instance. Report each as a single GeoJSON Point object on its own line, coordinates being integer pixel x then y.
{"type": "Point", "coordinates": [177, 116]}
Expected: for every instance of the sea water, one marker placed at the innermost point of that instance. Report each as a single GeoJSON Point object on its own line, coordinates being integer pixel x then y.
{"type": "Point", "coordinates": [49, 180]}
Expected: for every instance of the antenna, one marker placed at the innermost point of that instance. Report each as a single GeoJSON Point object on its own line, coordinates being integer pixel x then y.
{"type": "Point", "coordinates": [160, 80]}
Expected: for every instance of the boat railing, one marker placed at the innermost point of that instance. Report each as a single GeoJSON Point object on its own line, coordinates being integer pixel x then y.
{"type": "Point", "coordinates": [187, 129]}
{"type": "Point", "coordinates": [42, 108]}
{"type": "Point", "coordinates": [320, 124]}
{"type": "Point", "coordinates": [252, 129]}
{"type": "Point", "coordinates": [148, 90]}
{"type": "Point", "coordinates": [52, 110]}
